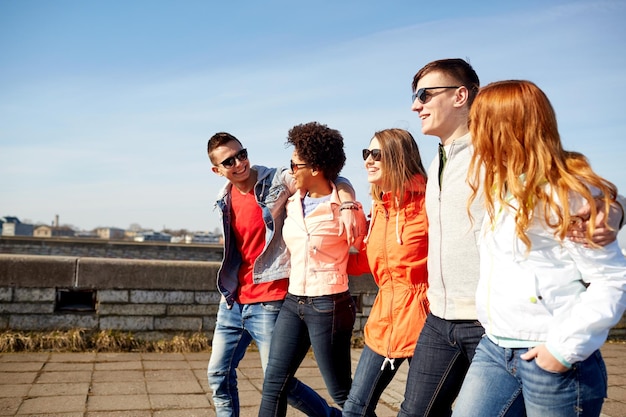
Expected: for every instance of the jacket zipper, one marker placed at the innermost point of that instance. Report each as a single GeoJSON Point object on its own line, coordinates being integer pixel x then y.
{"type": "Point", "coordinates": [443, 282]}
{"type": "Point", "coordinates": [385, 251]}
{"type": "Point", "coordinates": [330, 255]}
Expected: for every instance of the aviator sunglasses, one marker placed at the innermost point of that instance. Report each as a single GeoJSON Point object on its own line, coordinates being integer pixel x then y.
{"type": "Point", "coordinates": [242, 155]}
{"type": "Point", "coordinates": [376, 154]}
{"type": "Point", "coordinates": [422, 94]}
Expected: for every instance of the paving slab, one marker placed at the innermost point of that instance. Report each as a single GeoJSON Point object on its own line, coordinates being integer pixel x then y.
{"type": "Point", "coordinates": [174, 384]}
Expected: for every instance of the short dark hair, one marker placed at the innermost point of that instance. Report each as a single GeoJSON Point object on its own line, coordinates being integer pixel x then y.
{"type": "Point", "coordinates": [456, 68]}
{"type": "Point", "coordinates": [320, 147]}
{"type": "Point", "coordinates": [219, 139]}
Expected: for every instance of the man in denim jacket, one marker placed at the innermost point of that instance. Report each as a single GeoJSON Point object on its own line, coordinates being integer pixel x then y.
{"type": "Point", "coordinates": [253, 278]}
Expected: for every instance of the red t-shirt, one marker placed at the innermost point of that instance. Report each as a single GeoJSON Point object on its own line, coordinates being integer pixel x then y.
{"type": "Point", "coordinates": [249, 231]}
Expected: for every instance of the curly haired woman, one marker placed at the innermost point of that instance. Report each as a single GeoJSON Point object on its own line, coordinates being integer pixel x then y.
{"type": "Point", "coordinates": [318, 310]}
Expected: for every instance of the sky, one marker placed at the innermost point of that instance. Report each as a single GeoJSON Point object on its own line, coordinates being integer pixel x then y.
{"type": "Point", "coordinates": [106, 106]}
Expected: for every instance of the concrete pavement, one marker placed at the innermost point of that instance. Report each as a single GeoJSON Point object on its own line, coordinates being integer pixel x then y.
{"type": "Point", "coordinates": [174, 384]}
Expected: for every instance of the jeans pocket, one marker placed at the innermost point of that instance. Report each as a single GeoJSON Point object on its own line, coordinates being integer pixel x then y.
{"type": "Point", "coordinates": [554, 373]}
{"type": "Point", "coordinates": [323, 304]}
{"type": "Point", "coordinates": [345, 315]}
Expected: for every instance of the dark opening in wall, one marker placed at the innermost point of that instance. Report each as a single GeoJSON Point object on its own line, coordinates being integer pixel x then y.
{"type": "Point", "coordinates": [75, 300]}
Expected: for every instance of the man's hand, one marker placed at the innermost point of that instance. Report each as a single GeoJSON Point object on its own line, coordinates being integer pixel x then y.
{"type": "Point", "coordinates": [606, 229]}
{"type": "Point", "coordinates": [544, 359]}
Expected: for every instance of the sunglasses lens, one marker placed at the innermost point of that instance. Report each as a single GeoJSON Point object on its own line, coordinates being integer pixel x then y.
{"type": "Point", "coordinates": [242, 155]}
{"type": "Point", "coordinates": [376, 154]}
{"type": "Point", "coordinates": [228, 163]}
{"type": "Point", "coordinates": [422, 95]}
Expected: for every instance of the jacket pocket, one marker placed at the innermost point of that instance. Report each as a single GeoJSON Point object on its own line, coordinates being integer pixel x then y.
{"type": "Point", "coordinates": [331, 276]}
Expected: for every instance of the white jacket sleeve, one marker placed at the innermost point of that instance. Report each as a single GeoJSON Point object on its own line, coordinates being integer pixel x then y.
{"type": "Point", "coordinates": [585, 327]}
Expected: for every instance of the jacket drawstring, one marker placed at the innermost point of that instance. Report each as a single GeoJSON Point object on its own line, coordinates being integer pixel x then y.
{"type": "Point", "coordinates": [389, 361]}
{"type": "Point", "coordinates": [398, 234]}
{"type": "Point", "coordinates": [398, 237]}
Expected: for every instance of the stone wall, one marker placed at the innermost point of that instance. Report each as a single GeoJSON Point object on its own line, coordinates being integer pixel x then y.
{"type": "Point", "coordinates": [101, 248]}
{"type": "Point", "coordinates": [151, 299]}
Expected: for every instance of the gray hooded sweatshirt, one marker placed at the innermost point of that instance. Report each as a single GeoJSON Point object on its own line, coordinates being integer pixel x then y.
{"type": "Point", "coordinates": [453, 260]}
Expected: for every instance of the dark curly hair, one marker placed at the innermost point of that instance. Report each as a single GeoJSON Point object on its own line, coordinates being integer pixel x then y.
{"type": "Point", "coordinates": [320, 147]}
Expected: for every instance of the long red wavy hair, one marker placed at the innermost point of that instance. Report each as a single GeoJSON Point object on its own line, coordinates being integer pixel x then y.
{"type": "Point", "coordinates": [518, 152]}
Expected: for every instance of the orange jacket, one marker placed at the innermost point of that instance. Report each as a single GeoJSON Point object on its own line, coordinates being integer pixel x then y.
{"type": "Point", "coordinates": [395, 251]}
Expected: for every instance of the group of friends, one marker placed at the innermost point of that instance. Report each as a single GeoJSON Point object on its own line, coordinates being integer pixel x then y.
{"type": "Point", "coordinates": [498, 271]}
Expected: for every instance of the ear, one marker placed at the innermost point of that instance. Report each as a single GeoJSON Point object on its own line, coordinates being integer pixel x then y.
{"type": "Point", "coordinates": [216, 170]}
{"type": "Point", "coordinates": [461, 97]}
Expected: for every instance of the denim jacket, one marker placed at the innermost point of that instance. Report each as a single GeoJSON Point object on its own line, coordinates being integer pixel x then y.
{"type": "Point", "coordinates": [271, 191]}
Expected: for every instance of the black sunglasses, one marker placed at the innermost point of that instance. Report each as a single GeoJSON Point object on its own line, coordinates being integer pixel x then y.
{"type": "Point", "coordinates": [242, 155]}
{"type": "Point", "coordinates": [295, 167]}
{"type": "Point", "coordinates": [422, 94]}
{"type": "Point", "coordinates": [376, 154]}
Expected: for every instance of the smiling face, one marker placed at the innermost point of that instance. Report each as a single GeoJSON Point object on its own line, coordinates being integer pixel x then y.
{"type": "Point", "coordinates": [374, 168]}
{"type": "Point", "coordinates": [239, 172]}
{"type": "Point", "coordinates": [439, 113]}
{"type": "Point", "coordinates": [300, 172]}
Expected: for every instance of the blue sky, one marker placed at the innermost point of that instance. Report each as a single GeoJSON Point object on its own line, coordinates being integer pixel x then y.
{"type": "Point", "coordinates": [106, 106]}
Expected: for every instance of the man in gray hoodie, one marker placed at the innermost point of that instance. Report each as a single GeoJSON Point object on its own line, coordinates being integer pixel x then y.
{"type": "Point", "coordinates": [443, 93]}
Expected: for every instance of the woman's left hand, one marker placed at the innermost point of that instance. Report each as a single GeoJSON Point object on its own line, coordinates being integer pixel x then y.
{"type": "Point", "coordinates": [544, 359]}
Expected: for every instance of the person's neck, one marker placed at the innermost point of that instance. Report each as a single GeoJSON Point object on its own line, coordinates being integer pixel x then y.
{"type": "Point", "coordinates": [320, 189]}
{"type": "Point", "coordinates": [454, 135]}
{"type": "Point", "coordinates": [244, 187]}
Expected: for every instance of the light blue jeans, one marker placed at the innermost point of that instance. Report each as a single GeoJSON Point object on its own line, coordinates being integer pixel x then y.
{"type": "Point", "coordinates": [499, 383]}
{"type": "Point", "coordinates": [234, 331]}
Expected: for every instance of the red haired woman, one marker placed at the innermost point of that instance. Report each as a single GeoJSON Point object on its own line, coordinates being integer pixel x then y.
{"type": "Point", "coordinates": [546, 303]}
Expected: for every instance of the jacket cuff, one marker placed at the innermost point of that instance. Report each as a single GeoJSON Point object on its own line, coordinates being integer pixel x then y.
{"type": "Point", "coordinates": [558, 356]}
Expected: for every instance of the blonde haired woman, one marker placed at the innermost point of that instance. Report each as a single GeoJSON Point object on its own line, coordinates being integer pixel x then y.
{"type": "Point", "coordinates": [546, 303]}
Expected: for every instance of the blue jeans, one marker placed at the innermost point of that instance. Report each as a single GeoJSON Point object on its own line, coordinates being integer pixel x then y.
{"type": "Point", "coordinates": [325, 323]}
{"type": "Point", "coordinates": [234, 331]}
{"type": "Point", "coordinates": [372, 376]}
{"type": "Point", "coordinates": [441, 359]}
{"type": "Point", "coordinates": [500, 383]}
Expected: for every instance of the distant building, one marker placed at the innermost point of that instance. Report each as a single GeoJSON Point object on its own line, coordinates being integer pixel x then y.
{"type": "Point", "coordinates": [203, 238]}
{"type": "Point", "coordinates": [12, 226]}
{"type": "Point", "coordinates": [82, 234]}
{"type": "Point", "coordinates": [54, 231]}
{"type": "Point", "coordinates": [110, 233]}
{"type": "Point", "coordinates": [152, 237]}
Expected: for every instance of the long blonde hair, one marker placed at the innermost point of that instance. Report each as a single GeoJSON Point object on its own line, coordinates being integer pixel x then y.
{"type": "Point", "coordinates": [516, 139]}
{"type": "Point", "coordinates": [400, 161]}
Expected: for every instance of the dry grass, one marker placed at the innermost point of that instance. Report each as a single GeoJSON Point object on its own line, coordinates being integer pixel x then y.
{"type": "Point", "coordinates": [80, 340]}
